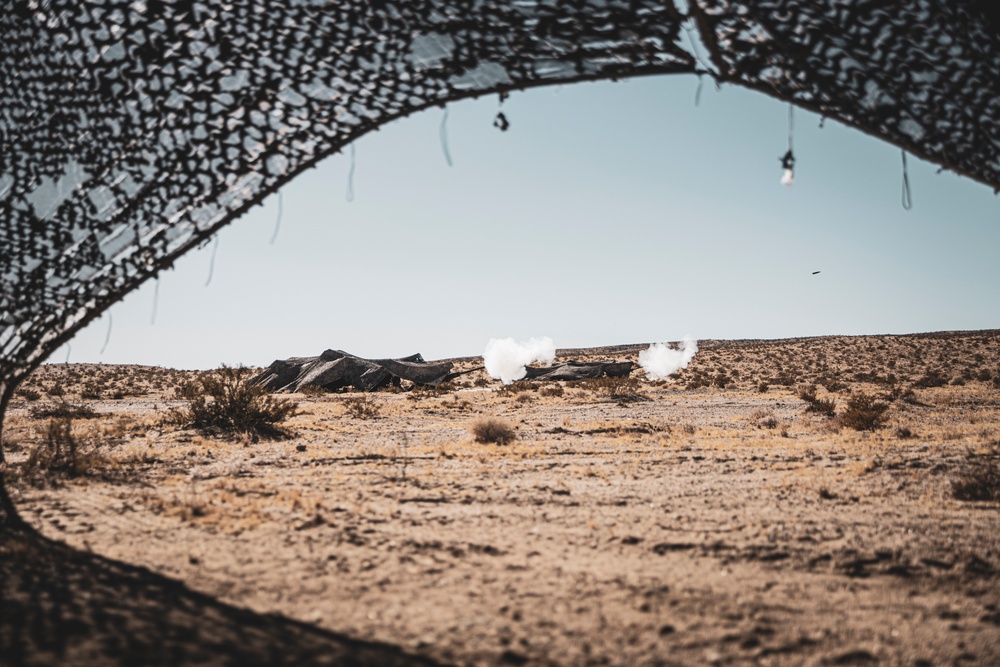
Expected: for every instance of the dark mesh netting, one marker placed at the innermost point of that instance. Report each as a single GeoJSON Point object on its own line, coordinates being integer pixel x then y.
{"type": "Point", "coordinates": [132, 130]}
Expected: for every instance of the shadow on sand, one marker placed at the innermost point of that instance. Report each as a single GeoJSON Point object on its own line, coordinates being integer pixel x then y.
{"type": "Point", "coordinates": [63, 606]}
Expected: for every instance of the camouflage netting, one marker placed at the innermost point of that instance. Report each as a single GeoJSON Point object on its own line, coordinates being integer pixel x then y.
{"type": "Point", "coordinates": [132, 130]}
{"type": "Point", "coordinates": [335, 370]}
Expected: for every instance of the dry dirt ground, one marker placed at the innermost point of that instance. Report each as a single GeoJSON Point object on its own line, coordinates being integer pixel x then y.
{"type": "Point", "coordinates": [706, 519]}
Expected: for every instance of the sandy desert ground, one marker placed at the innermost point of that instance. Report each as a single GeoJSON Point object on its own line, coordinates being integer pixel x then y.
{"type": "Point", "coordinates": [706, 519]}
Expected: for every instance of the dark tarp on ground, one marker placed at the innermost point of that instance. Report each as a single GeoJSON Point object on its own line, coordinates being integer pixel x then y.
{"type": "Point", "coordinates": [335, 370]}
{"type": "Point", "coordinates": [575, 370]}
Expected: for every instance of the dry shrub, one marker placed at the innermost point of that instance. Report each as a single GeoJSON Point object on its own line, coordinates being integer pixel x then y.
{"type": "Point", "coordinates": [864, 412]}
{"type": "Point", "coordinates": [784, 379]}
{"type": "Point", "coordinates": [29, 394]}
{"type": "Point", "coordinates": [932, 378]}
{"type": "Point", "coordinates": [224, 400]}
{"type": "Point", "coordinates": [820, 406]}
{"type": "Point", "coordinates": [91, 391]}
{"type": "Point", "coordinates": [457, 404]}
{"type": "Point", "coordinates": [63, 410]}
{"type": "Point", "coordinates": [763, 419]}
{"type": "Point", "coordinates": [188, 390]}
{"type": "Point", "coordinates": [554, 389]}
{"type": "Point", "coordinates": [60, 455]}
{"type": "Point", "coordinates": [900, 393]}
{"type": "Point", "coordinates": [362, 406]}
{"type": "Point", "coordinates": [622, 389]}
{"type": "Point", "coordinates": [493, 431]}
{"type": "Point", "coordinates": [721, 380]}
{"type": "Point", "coordinates": [979, 484]}
{"type": "Point", "coordinates": [518, 387]}
{"type": "Point", "coordinates": [833, 385]}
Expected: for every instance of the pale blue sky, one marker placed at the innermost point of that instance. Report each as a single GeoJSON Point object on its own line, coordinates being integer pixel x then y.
{"type": "Point", "coordinates": [609, 213]}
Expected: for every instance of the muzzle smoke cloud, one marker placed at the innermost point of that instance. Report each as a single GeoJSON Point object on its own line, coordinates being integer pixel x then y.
{"type": "Point", "coordinates": [506, 358]}
{"type": "Point", "coordinates": [661, 361]}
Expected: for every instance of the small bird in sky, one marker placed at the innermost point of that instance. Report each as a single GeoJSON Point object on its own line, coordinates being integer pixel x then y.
{"type": "Point", "coordinates": [815, 272]}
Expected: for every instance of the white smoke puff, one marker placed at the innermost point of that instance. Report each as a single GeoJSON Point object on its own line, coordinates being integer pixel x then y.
{"type": "Point", "coordinates": [661, 361]}
{"type": "Point", "coordinates": [506, 358]}
{"type": "Point", "coordinates": [787, 178]}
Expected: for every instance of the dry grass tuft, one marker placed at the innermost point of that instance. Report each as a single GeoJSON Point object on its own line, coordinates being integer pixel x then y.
{"type": "Point", "coordinates": [362, 406]}
{"type": "Point", "coordinates": [493, 430]}
{"type": "Point", "coordinates": [764, 419]}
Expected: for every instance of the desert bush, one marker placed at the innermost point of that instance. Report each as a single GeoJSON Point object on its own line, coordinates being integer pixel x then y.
{"type": "Point", "coordinates": [518, 387]}
{"type": "Point", "coordinates": [900, 393]}
{"type": "Point", "coordinates": [29, 394]}
{"type": "Point", "coordinates": [982, 483]}
{"type": "Point", "coordinates": [762, 387]}
{"type": "Point", "coordinates": [833, 385]}
{"type": "Point", "coordinates": [226, 401]}
{"type": "Point", "coordinates": [60, 454]}
{"type": "Point", "coordinates": [314, 390]}
{"type": "Point", "coordinates": [932, 378]}
{"type": "Point", "coordinates": [362, 406]}
{"type": "Point", "coordinates": [457, 404]}
{"type": "Point", "coordinates": [92, 391]}
{"type": "Point", "coordinates": [863, 412]}
{"type": "Point", "coordinates": [820, 406]}
{"type": "Point", "coordinates": [188, 389]}
{"type": "Point", "coordinates": [622, 389]}
{"type": "Point", "coordinates": [696, 381]}
{"type": "Point", "coordinates": [62, 410]}
{"type": "Point", "coordinates": [763, 419]}
{"type": "Point", "coordinates": [555, 389]}
{"type": "Point", "coordinates": [784, 379]}
{"type": "Point", "coordinates": [493, 431]}
{"type": "Point", "coordinates": [55, 391]}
